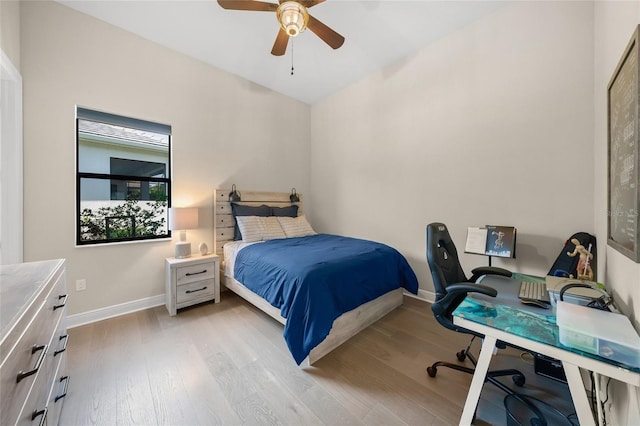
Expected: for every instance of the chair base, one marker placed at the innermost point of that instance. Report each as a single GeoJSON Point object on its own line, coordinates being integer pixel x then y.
{"type": "Point", "coordinates": [516, 375]}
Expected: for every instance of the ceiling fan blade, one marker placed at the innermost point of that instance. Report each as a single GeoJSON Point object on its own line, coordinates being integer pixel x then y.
{"type": "Point", "coordinates": [280, 45]}
{"type": "Point", "coordinates": [259, 6]}
{"type": "Point", "coordinates": [329, 36]}
{"type": "Point", "coordinates": [310, 3]}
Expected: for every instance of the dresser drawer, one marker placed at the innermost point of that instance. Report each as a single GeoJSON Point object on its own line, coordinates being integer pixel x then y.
{"type": "Point", "coordinates": [44, 403]}
{"type": "Point", "coordinates": [34, 411]}
{"type": "Point", "coordinates": [197, 272]}
{"type": "Point", "coordinates": [29, 360]}
{"type": "Point", "coordinates": [59, 392]}
{"type": "Point", "coordinates": [204, 289]}
{"type": "Point", "coordinates": [59, 389]}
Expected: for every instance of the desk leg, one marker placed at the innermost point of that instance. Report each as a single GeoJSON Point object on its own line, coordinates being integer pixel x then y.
{"type": "Point", "coordinates": [596, 379]}
{"type": "Point", "coordinates": [477, 382]}
{"type": "Point", "coordinates": [578, 394]}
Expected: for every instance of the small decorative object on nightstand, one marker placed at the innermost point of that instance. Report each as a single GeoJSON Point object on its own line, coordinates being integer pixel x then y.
{"type": "Point", "coordinates": [204, 249]}
{"type": "Point", "coordinates": [191, 281]}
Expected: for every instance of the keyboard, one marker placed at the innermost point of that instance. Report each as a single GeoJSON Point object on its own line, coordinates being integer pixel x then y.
{"type": "Point", "coordinates": [533, 290]}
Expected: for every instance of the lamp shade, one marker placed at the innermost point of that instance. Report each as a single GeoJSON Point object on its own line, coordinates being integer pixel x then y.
{"type": "Point", "coordinates": [181, 218]}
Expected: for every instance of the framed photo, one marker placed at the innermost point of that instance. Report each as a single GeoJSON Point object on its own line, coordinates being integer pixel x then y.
{"type": "Point", "coordinates": [623, 99]}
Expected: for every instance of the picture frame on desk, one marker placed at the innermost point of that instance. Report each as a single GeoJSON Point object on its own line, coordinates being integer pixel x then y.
{"type": "Point", "coordinates": [623, 106]}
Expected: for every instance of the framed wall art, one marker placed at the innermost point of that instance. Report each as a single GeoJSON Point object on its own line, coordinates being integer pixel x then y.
{"type": "Point", "coordinates": [623, 98]}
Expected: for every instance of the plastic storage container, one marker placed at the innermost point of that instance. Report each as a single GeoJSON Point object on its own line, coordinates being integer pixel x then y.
{"type": "Point", "coordinates": [603, 333]}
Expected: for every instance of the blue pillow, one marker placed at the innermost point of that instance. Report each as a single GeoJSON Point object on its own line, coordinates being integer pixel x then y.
{"type": "Point", "coordinates": [240, 210]}
{"type": "Point", "coordinates": [289, 211]}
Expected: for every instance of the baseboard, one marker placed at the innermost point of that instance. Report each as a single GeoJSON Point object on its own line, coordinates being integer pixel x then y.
{"type": "Point", "coordinates": [89, 317]}
{"type": "Point", "coordinates": [114, 311]}
{"type": "Point", "coordinates": [427, 296]}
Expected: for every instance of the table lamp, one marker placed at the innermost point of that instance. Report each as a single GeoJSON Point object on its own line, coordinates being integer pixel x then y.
{"type": "Point", "coordinates": [181, 219]}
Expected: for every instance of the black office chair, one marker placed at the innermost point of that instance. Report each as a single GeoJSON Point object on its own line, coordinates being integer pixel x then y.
{"type": "Point", "coordinates": [452, 286]}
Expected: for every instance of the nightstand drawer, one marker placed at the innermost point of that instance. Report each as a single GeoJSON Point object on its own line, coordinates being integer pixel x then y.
{"type": "Point", "coordinates": [204, 289]}
{"type": "Point", "coordinates": [198, 272]}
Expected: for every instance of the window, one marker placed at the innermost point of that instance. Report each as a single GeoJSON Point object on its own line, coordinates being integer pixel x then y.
{"type": "Point", "coordinates": [123, 178]}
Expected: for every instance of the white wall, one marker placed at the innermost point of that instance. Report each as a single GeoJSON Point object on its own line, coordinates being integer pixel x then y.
{"type": "Point", "coordinates": [11, 191]}
{"type": "Point", "coordinates": [490, 125]}
{"type": "Point", "coordinates": [614, 25]}
{"type": "Point", "coordinates": [225, 130]}
{"type": "Point", "coordinates": [10, 30]}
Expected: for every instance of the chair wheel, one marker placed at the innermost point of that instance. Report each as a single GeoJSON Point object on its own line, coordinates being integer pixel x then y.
{"type": "Point", "coordinates": [431, 371]}
{"type": "Point", "coordinates": [518, 379]}
{"type": "Point", "coordinates": [462, 355]}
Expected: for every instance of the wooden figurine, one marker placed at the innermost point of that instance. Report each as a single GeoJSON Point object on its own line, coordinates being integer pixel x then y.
{"type": "Point", "coordinates": [583, 270]}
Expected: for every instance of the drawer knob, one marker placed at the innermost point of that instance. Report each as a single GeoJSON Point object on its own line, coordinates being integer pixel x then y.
{"type": "Point", "coordinates": [43, 349]}
{"type": "Point", "coordinates": [195, 291]}
{"type": "Point", "coordinates": [188, 274]}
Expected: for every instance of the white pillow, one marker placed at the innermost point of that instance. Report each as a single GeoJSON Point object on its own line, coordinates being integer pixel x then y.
{"type": "Point", "coordinates": [271, 228]}
{"type": "Point", "coordinates": [296, 226]}
{"type": "Point", "coordinates": [250, 228]}
{"type": "Point", "coordinates": [257, 228]}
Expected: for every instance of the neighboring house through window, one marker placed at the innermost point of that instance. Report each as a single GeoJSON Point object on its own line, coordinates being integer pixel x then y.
{"type": "Point", "coordinates": [123, 178]}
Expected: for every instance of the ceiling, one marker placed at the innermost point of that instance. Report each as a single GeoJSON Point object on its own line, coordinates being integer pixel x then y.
{"type": "Point", "coordinates": [377, 32]}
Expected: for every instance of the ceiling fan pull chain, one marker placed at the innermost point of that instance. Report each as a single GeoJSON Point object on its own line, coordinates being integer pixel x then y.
{"type": "Point", "coordinates": [291, 56]}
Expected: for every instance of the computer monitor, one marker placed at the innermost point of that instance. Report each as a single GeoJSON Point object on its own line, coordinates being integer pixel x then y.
{"type": "Point", "coordinates": [492, 240]}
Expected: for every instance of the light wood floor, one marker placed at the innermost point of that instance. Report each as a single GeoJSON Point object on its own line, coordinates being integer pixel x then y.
{"type": "Point", "coordinates": [228, 364]}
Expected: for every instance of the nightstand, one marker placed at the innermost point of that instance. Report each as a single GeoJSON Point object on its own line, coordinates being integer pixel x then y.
{"type": "Point", "coordinates": [191, 280]}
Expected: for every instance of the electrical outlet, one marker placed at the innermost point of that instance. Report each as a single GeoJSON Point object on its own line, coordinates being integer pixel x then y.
{"type": "Point", "coordinates": [81, 284]}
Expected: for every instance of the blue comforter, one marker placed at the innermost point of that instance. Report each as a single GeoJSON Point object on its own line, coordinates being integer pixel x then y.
{"type": "Point", "coordinates": [315, 279]}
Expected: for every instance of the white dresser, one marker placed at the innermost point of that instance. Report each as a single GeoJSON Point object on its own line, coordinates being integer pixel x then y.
{"type": "Point", "coordinates": [33, 340]}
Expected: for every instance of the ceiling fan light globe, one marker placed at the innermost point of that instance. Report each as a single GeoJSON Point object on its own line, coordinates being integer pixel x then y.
{"type": "Point", "coordinates": [293, 17]}
{"type": "Point", "coordinates": [292, 30]}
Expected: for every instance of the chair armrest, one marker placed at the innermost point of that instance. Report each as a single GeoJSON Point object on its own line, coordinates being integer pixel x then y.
{"type": "Point", "coordinates": [488, 270]}
{"type": "Point", "coordinates": [443, 308]}
{"type": "Point", "coordinates": [455, 289]}
{"type": "Point", "coordinates": [457, 292]}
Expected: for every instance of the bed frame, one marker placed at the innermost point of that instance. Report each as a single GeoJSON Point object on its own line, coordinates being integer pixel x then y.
{"type": "Point", "coordinates": [345, 326]}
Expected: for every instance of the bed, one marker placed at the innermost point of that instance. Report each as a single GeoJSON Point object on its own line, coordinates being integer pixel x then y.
{"type": "Point", "coordinates": [322, 288]}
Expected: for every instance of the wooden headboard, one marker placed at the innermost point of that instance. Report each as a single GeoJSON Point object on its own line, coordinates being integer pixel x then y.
{"type": "Point", "coordinates": [223, 222]}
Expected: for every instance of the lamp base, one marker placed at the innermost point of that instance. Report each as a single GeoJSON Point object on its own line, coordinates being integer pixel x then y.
{"type": "Point", "coordinates": [183, 249]}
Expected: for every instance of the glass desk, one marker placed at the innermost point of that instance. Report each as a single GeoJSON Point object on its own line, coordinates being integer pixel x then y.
{"type": "Point", "coordinates": [505, 318]}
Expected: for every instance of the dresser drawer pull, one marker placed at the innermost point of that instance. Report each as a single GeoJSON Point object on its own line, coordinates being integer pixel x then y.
{"type": "Point", "coordinates": [62, 296]}
{"type": "Point", "coordinates": [66, 340]}
{"type": "Point", "coordinates": [197, 290]}
{"type": "Point", "coordinates": [64, 391]}
{"type": "Point", "coordinates": [43, 349]}
{"type": "Point", "coordinates": [188, 274]}
{"type": "Point", "coordinates": [43, 413]}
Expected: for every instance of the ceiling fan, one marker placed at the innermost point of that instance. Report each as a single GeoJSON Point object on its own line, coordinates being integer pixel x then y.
{"type": "Point", "coordinates": [293, 18]}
